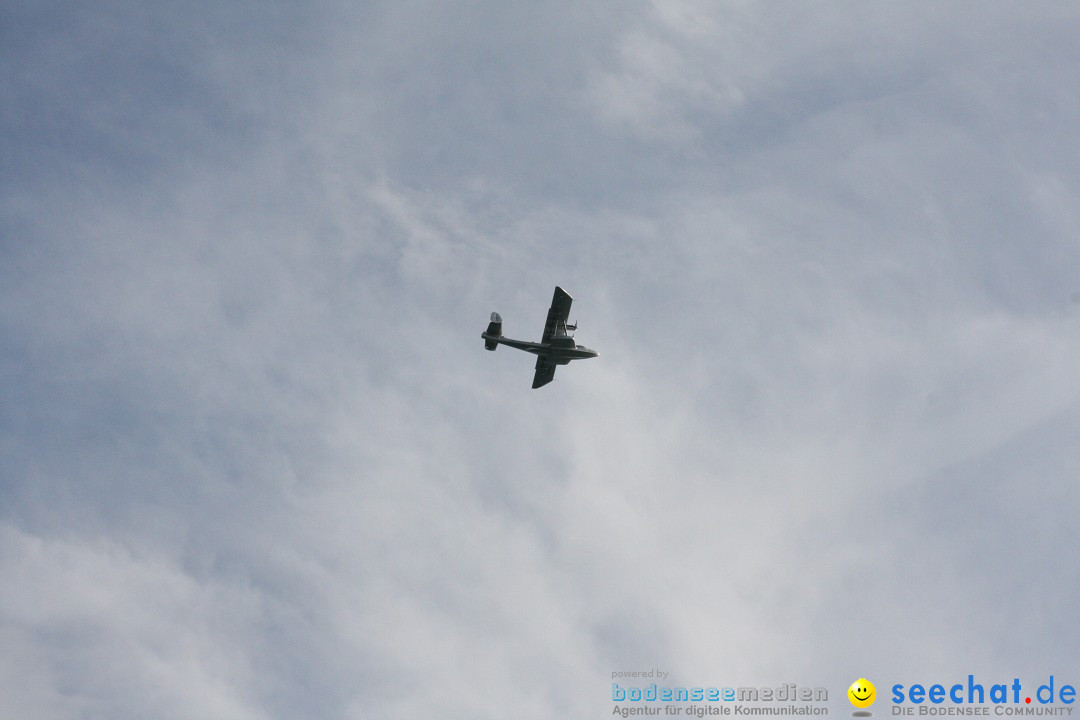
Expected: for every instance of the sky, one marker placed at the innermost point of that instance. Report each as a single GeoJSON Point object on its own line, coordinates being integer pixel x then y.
{"type": "Point", "coordinates": [256, 463]}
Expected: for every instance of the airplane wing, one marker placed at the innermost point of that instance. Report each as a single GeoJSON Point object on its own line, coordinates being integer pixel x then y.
{"type": "Point", "coordinates": [545, 372]}
{"type": "Point", "coordinates": [558, 313]}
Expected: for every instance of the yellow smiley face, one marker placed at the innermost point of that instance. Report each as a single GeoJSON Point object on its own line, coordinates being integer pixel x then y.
{"type": "Point", "coordinates": [862, 693]}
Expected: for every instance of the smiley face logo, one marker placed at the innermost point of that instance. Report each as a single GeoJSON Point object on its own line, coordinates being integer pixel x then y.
{"type": "Point", "coordinates": [862, 693]}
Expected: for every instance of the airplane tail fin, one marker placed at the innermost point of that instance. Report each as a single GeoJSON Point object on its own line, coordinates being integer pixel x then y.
{"type": "Point", "coordinates": [494, 328]}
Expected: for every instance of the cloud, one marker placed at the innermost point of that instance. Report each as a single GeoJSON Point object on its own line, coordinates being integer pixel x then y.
{"type": "Point", "coordinates": [257, 464]}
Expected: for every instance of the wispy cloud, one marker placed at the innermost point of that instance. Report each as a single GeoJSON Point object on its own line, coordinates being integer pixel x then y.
{"type": "Point", "coordinates": [256, 463]}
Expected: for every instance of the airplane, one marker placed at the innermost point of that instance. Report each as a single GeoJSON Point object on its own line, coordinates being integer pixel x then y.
{"type": "Point", "coordinates": [555, 348]}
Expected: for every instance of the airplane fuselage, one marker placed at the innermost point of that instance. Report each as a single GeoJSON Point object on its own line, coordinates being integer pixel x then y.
{"type": "Point", "coordinates": [560, 350]}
